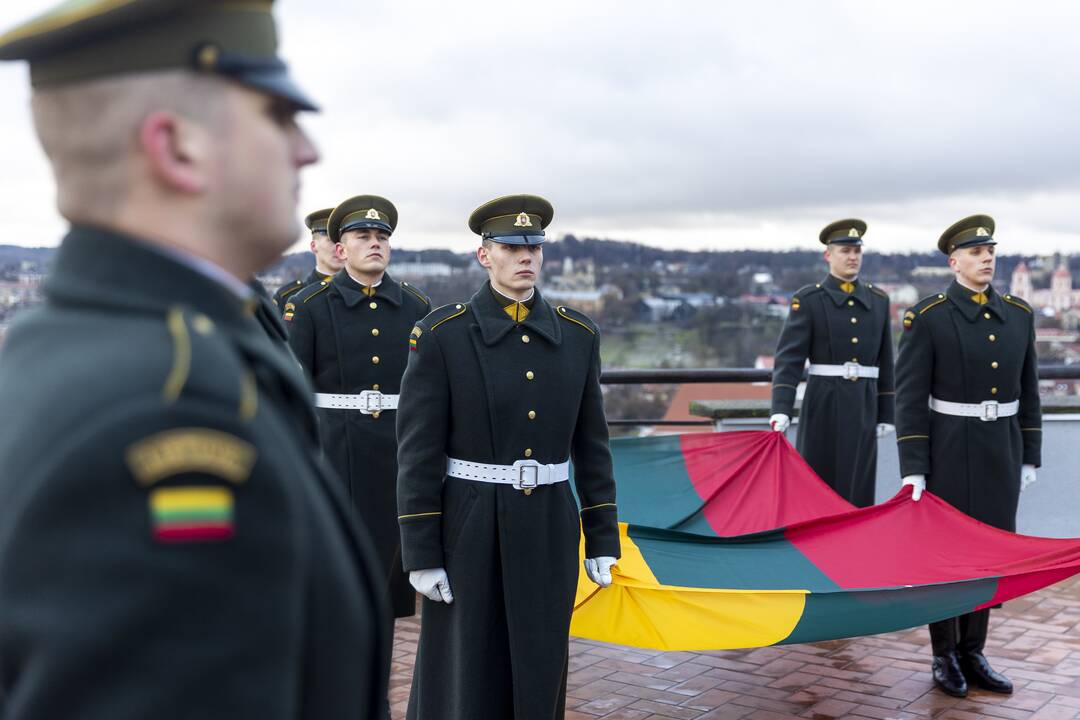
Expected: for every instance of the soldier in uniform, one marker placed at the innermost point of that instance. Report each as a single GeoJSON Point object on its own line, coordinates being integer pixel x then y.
{"type": "Point", "coordinates": [499, 395]}
{"type": "Point", "coordinates": [842, 326]}
{"type": "Point", "coordinates": [327, 260]}
{"type": "Point", "coordinates": [351, 334]}
{"type": "Point", "coordinates": [970, 351]}
{"type": "Point", "coordinates": [171, 544]}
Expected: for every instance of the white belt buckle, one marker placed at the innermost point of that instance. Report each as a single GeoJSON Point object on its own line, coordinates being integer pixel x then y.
{"type": "Point", "coordinates": [851, 371]}
{"type": "Point", "coordinates": [370, 401]}
{"type": "Point", "coordinates": [988, 410]}
{"type": "Point", "coordinates": [528, 474]}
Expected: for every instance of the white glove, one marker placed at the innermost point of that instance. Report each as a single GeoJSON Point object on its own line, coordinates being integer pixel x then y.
{"type": "Point", "coordinates": [917, 483]}
{"type": "Point", "coordinates": [884, 429]}
{"type": "Point", "coordinates": [433, 584]}
{"type": "Point", "coordinates": [599, 569]}
{"type": "Point", "coordinates": [1027, 476]}
{"type": "Point", "coordinates": [779, 422]}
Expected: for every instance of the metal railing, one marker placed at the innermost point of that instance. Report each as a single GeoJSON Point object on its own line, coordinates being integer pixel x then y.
{"type": "Point", "coordinates": [679, 376]}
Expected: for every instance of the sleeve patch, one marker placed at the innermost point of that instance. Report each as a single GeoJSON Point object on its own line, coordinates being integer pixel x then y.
{"type": "Point", "coordinates": [191, 514]}
{"type": "Point", "coordinates": [290, 309]}
{"type": "Point", "coordinates": [191, 450]}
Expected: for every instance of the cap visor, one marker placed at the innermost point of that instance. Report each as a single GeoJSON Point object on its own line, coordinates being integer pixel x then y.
{"type": "Point", "coordinates": [277, 82]}
{"type": "Point", "coordinates": [517, 239]}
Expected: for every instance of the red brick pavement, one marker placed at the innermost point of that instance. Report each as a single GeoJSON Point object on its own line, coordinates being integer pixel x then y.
{"type": "Point", "coordinates": [1034, 640]}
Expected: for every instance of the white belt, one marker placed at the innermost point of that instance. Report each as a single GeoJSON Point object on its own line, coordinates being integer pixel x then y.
{"type": "Point", "coordinates": [367, 402]}
{"type": "Point", "coordinates": [987, 410]}
{"type": "Point", "coordinates": [523, 474]}
{"type": "Point", "coordinates": [848, 371]}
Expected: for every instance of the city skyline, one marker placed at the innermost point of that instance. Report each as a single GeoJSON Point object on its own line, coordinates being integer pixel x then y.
{"type": "Point", "coordinates": [712, 128]}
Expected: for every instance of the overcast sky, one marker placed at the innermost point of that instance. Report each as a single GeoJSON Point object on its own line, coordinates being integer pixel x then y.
{"type": "Point", "coordinates": [681, 124]}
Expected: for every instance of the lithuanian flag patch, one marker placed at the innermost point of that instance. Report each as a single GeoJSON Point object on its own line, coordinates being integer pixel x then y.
{"type": "Point", "coordinates": [191, 514]}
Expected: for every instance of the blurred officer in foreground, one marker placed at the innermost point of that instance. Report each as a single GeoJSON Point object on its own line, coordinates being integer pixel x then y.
{"type": "Point", "coordinates": [968, 419]}
{"type": "Point", "coordinates": [351, 334]}
{"type": "Point", "coordinates": [842, 326]}
{"type": "Point", "coordinates": [327, 260]}
{"type": "Point", "coordinates": [171, 545]}
{"type": "Point", "coordinates": [499, 395]}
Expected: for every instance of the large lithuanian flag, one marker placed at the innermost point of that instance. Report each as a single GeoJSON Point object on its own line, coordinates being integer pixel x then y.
{"type": "Point", "coordinates": [729, 540]}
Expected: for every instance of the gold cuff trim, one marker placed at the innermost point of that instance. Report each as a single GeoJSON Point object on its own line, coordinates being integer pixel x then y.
{"type": "Point", "coordinates": [1039, 429]}
{"type": "Point", "coordinates": [416, 515]}
{"type": "Point", "coordinates": [780, 385]}
{"type": "Point", "coordinates": [593, 507]}
{"type": "Point", "coordinates": [913, 437]}
{"type": "Point", "coordinates": [888, 392]}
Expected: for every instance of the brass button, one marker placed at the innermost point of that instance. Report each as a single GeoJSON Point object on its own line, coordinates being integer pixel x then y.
{"type": "Point", "coordinates": [375, 360]}
{"type": "Point", "coordinates": [375, 386]}
{"type": "Point", "coordinates": [373, 305]}
{"type": "Point", "coordinates": [850, 302]}
{"type": "Point", "coordinates": [854, 341]}
{"type": "Point", "coordinates": [993, 338]}
{"type": "Point", "coordinates": [202, 324]}
{"type": "Point", "coordinates": [993, 391]}
{"type": "Point", "coordinates": [376, 414]}
{"type": "Point", "coordinates": [375, 332]}
{"type": "Point", "coordinates": [529, 375]}
{"type": "Point", "coordinates": [854, 359]}
{"type": "Point", "coordinates": [994, 365]}
{"type": "Point", "coordinates": [986, 315]}
{"type": "Point", "coordinates": [528, 452]}
{"type": "Point", "coordinates": [532, 414]}
{"type": "Point", "coordinates": [854, 321]}
{"type": "Point", "coordinates": [524, 338]}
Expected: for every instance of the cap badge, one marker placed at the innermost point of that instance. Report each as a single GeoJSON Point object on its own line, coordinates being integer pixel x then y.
{"type": "Point", "coordinates": [982, 232]}
{"type": "Point", "coordinates": [523, 220]}
{"type": "Point", "coordinates": [853, 233]}
{"type": "Point", "coordinates": [372, 214]}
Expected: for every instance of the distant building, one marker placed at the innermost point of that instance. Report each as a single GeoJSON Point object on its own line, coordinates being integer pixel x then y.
{"type": "Point", "coordinates": [577, 287]}
{"type": "Point", "coordinates": [1059, 297]}
{"type": "Point", "coordinates": [422, 270]}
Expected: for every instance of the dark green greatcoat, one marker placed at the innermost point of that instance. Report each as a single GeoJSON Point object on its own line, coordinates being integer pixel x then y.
{"type": "Point", "coordinates": [349, 342]}
{"type": "Point", "coordinates": [141, 378]}
{"type": "Point", "coordinates": [838, 421]}
{"type": "Point", "coordinates": [499, 652]}
{"type": "Point", "coordinates": [957, 350]}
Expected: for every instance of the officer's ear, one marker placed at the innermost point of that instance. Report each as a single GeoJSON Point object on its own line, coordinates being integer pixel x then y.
{"type": "Point", "coordinates": [339, 251]}
{"type": "Point", "coordinates": [176, 150]}
{"type": "Point", "coordinates": [483, 256]}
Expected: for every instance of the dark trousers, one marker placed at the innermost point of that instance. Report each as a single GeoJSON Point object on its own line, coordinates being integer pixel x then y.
{"type": "Point", "coordinates": [963, 635]}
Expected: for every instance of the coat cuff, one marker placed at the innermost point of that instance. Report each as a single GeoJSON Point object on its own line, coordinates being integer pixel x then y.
{"type": "Point", "coordinates": [914, 455]}
{"type": "Point", "coordinates": [601, 527]}
{"type": "Point", "coordinates": [783, 400]}
{"type": "Point", "coordinates": [886, 408]}
{"type": "Point", "coordinates": [1032, 446]}
{"type": "Point", "coordinates": [421, 541]}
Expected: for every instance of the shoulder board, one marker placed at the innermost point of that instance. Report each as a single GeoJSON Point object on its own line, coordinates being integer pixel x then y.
{"type": "Point", "coordinates": [806, 290]}
{"type": "Point", "coordinates": [310, 291]}
{"type": "Point", "coordinates": [929, 302]}
{"type": "Point", "coordinates": [423, 298]}
{"type": "Point", "coordinates": [439, 315]}
{"type": "Point", "coordinates": [577, 317]}
{"type": "Point", "coordinates": [1018, 302]}
{"type": "Point", "coordinates": [194, 337]}
{"type": "Point", "coordinates": [878, 291]}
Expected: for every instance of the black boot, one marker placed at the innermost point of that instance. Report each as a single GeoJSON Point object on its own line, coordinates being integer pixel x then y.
{"type": "Point", "coordinates": [978, 671]}
{"type": "Point", "coordinates": [948, 675]}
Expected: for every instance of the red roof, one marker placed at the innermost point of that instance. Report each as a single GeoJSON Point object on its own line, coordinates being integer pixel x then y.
{"type": "Point", "coordinates": [679, 409]}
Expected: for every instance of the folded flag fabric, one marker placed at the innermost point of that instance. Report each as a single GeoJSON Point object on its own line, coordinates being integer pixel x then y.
{"type": "Point", "coordinates": [729, 540]}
